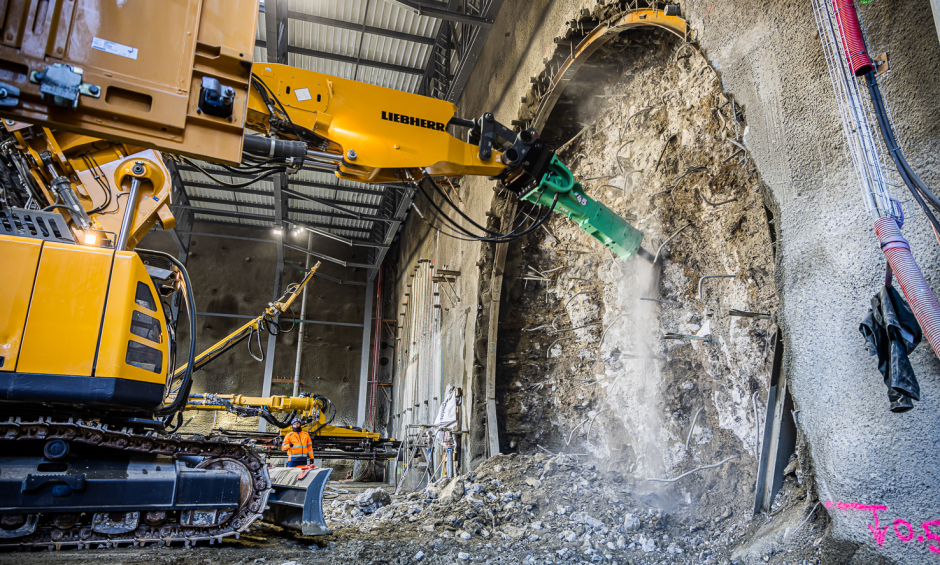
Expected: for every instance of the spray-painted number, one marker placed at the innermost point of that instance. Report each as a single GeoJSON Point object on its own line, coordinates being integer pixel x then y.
{"type": "Point", "coordinates": [903, 530]}
{"type": "Point", "coordinates": [581, 199]}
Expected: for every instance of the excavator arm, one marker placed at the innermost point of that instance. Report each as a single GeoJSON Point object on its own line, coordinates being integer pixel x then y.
{"type": "Point", "coordinates": [372, 134]}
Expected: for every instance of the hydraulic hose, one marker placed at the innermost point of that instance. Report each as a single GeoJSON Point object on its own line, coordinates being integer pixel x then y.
{"type": "Point", "coordinates": [332, 416]}
{"type": "Point", "coordinates": [182, 396]}
{"type": "Point", "coordinates": [911, 279]}
{"type": "Point", "coordinates": [853, 41]}
{"type": "Point", "coordinates": [896, 249]}
{"type": "Point", "coordinates": [272, 419]}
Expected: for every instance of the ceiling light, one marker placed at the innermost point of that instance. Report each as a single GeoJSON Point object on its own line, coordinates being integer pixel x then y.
{"type": "Point", "coordinates": [278, 231]}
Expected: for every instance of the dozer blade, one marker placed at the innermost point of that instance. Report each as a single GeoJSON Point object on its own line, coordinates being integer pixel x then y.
{"type": "Point", "coordinates": [297, 503]}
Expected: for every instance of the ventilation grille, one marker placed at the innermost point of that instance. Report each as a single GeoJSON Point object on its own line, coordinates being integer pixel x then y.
{"type": "Point", "coordinates": [34, 224]}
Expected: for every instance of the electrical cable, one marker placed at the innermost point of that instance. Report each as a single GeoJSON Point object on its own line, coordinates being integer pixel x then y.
{"type": "Point", "coordinates": [913, 183]}
{"type": "Point", "coordinates": [882, 111]}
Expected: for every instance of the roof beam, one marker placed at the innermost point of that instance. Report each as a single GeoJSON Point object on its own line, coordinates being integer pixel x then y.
{"type": "Point", "coordinates": [324, 213]}
{"type": "Point", "coordinates": [352, 242]}
{"type": "Point", "coordinates": [401, 211]}
{"type": "Point", "coordinates": [327, 186]}
{"type": "Point", "coordinates": [327, 257]}
{"type": "Point", "coordinates": [353, 61]}
{"type": "Point", "coordinates": [263, 218]}
{"type": "Point", "coordinates": [342, 24]}
{"type": "Point", "coordinates": [292, 193]}
{"type": "Point", "coordinates": [344, 212]}
{"type": "Point", "coordinates": [221, 172]}
{"type": "Point", "coordinates": [439, 10]}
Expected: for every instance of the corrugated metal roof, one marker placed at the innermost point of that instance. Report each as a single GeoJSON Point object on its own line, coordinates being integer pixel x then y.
{"type": "Point", "coordinates": [357, 44]}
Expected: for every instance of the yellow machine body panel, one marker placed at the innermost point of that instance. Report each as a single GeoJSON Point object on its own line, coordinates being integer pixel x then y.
{"type": "Point", "coordinates": [64, 320]}
{"type": "Point", "coordinates": [145, 60]}
{"type": "Point", "coordinates": [134, 340]}
{"type": "Point", "coordinates": [22, 255]}
{"type": "Point", "coordinates": [389, 130]}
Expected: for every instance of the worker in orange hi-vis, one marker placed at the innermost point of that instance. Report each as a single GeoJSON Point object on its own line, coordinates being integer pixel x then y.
{"type": "Point", "coordinates": [298, 446]}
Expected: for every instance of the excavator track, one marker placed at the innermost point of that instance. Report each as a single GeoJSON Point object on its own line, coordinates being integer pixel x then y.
{"type": "Point", "coordinates": [218, 453]}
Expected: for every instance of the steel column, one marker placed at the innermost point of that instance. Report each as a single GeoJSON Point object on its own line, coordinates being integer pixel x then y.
{"type": "Point", "coordinates": [272, 339]}
{"type": "Point", "coordinates": [364, 362]}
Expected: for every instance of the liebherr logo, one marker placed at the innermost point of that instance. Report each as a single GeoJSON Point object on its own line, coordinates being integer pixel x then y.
{"type": "Point", "coordinates": [413, 121]}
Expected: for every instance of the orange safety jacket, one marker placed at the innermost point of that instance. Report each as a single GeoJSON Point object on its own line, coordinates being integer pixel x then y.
{"type": "Point", "coordinates": [297, 445]}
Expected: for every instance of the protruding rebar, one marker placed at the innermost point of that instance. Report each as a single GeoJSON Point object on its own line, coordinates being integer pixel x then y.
{"type": "Point", "coordinates": [702, 279]}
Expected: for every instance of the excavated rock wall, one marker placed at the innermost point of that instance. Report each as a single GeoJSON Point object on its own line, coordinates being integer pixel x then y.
{"type": "Point", "coordinates": [585, 366]}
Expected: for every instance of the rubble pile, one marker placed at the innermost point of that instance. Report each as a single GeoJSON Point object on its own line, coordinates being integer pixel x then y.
{"type": "Point", "coordinates": [538, 509]}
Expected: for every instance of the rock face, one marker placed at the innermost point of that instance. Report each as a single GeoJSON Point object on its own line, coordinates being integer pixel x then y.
{"type": "Point", "coordinates": [372, 499]}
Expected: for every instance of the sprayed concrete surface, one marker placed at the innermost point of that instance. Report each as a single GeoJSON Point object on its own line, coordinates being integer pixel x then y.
{"type": "Point", "coordinates": [829, 263]}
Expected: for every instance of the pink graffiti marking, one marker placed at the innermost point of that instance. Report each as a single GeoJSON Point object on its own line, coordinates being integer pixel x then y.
{"type": "Point", "coordinates": [932, 536]}
{"type": "Point", "coordinates": [879, 533]}
{"type": "Point", "coordinates": [876, 531]}
{"type": "Point", "coordinates": [910, 531]}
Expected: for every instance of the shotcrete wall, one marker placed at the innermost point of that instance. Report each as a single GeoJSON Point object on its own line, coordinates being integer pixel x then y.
{"type": "Point", "coordinates": [829, 264]}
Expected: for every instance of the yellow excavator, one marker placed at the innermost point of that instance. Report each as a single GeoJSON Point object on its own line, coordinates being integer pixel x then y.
{"type": "Point", "coordinates": [94, 96]}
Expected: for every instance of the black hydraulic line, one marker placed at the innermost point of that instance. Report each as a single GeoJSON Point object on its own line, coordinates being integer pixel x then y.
{"type": "Point", "coordinates": [272, 419]}
{"type": "Point", "coordinates": [446, 219]}
{"type": "Point", "coordinates": [458, 236]}
{"type": "Point", "coordinates": [179, 422]}
{"type": "Point", "coordinates": [913, 183]}
{"type": "Point", "coordinates": [459, 211]}
{"type": "Point", "coordinates": [332, 416]}
{"type": "Point", "coordinates": [238, 184]}
{"type": "Point", "coordinates": [440, 230]}
{"type": "Point", "coordinates": [91, 164]}
{"type": "Point", "coordinates": [182, 395]}
{"type": "Point", "coordinates": [878, 101]}
{"type": "Point", "coordinates": [503, 237]}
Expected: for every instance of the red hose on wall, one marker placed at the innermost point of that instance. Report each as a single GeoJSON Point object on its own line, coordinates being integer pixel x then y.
{"type": "Point", "coordinates": [910, 279]}
{"type": "Point", "coordinates": [853, 42]}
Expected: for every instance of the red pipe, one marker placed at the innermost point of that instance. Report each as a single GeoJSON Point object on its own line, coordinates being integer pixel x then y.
{"type": "Point", "coordinates": [853, 41]}
{"type": "Point", "coordinates": [911, 279]}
